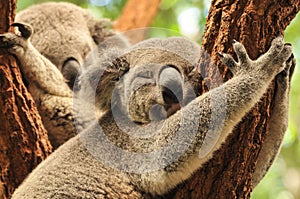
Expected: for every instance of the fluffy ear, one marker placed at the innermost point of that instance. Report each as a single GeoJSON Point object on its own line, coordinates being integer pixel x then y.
{"type": "Point", "coordinates": [100, 29]}
{"type": "Point", "coordinates": [101, 77]}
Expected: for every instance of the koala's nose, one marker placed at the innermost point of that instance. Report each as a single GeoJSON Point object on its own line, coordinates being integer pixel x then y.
{"type": "Point", "coordinates": [172, 96]}
{"type": "Point", "coordinates": [70, 70]}
{"type": "Point", "coordinates": [171, 83]}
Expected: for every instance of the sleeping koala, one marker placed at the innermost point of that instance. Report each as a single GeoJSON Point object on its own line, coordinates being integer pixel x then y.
{"type": "Point", "coordinates": [154, 132]}
{"type": "Point", "coordinates": [64, 33]}
{"type": "Point", "coordinates": [54, 41]}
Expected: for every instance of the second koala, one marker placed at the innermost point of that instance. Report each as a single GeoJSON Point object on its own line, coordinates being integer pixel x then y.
{"type": "Point", "coordinates": [61, 35]}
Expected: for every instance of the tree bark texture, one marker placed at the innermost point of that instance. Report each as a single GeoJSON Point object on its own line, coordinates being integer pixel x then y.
{"type": "Point", "coordinates": [137, 14]}
{"type": "Point", "coordinates": [23, 139]}
{"type": "Point", "coordinates": [255, 23]}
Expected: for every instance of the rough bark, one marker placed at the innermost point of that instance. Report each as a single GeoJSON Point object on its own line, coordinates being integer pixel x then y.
{"type": "Point", "coordinates": [23, 139]}
{"type": "Point", "coordinates": [254, 23]}
{"type": "Point", "coordinates": [137, 14]}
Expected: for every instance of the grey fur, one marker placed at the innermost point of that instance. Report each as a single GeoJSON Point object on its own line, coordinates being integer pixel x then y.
{"type": "Point", "coordinates": [53, 35]}
{"type": "Point", "coordinates": [64, 30]}
{"type": "Point", "coordinates": [86, 164]}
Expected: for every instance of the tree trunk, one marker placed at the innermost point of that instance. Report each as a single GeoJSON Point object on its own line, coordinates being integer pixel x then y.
{"type": "Point", "coordinates": [137, 14]}
{"type": "Point", "coordinates": [254, 23]}
{"type": "Point", "coordinates": [23, 139]}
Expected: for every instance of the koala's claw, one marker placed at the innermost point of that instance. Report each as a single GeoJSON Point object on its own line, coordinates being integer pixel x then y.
{"type": "Point", "coordinates": [16, 43]}
{"type": "Point", "coordinates": [9, 41]}
{"type": "Point", "coordinates": [25, 29]}
{"type": "Point", "coordinates": [229, 62]}
{"type": "Point", "coordinates": [243, 58]}
{"type": "Point", "coordinates": [5, 42]}
{"type": "Point", "coordinates": [241, 53]}
{"type": "Point", "coordinates": [220, 54]}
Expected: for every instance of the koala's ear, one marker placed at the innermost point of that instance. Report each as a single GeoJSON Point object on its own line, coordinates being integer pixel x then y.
{"type": "Point", "coordinates": [105, 74]}
{"type": "Point", "coordinates": [119, 67]}
{"type": "Point", "coordinates": [100, 29]}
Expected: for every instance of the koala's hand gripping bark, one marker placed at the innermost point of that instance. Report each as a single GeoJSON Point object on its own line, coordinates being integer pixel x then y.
{"type": "Point", "coordinates": [40, 73]}
{"type": "Point", "coordinates": [45, 83]}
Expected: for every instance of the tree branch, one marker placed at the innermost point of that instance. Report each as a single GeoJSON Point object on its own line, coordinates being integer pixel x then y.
{"type": "Point", "coordinates": [137, 14]}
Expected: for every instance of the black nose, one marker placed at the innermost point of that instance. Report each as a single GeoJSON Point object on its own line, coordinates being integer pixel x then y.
{"type": "Point", "coordinates": [172, 96]}
{"type": "Point", "coordinates": [70, 70]}
{"type": "Point", "coordinates": [171, 84]}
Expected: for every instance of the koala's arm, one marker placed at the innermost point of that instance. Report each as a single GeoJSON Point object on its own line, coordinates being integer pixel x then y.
{"type": "Point", "coordinates": [278, 122]}
{"type": "Point", "coordinates": [40, 73]}
{"type": "Point", "coordinates": [213, 115]}
{"type": "Point", "coordinates": [46, 84]}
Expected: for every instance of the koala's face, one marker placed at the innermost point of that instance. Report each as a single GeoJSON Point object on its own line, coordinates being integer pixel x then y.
{"type": "Point", "coordinates": [155, 87]}
{"type": "Point", "coordinates": [144, 83]}
{"type": "Point", "coordinates": [153, 92]}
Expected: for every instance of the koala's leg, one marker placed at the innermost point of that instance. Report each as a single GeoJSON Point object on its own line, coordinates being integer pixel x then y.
{"type": "Point", "coordinates": [45, 83]}
{"type": "Point", "coordinates": [278, 123]}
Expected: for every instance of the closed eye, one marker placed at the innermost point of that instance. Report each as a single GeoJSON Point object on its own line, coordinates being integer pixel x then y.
{"type": "Point", "coordinates": [145, 74]}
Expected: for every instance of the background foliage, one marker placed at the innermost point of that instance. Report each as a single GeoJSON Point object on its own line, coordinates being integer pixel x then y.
{"type": "Point", "coordinates": [187, 17]}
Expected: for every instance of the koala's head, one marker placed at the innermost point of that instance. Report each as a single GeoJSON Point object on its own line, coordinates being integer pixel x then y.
{"type": "Point", "coordinates": [64, 33]}
{"type": "Point", "coordinates": [145, 82]}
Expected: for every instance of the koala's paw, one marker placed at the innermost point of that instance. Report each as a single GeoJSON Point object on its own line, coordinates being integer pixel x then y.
{"type": "Point", "coordinates": [274, 60]}
{"type": "Point", "coordinates": [271, 63]}
{"type": "Point", "coordinates": [243, 59]}
{"type": "Point", "coordinates": [284, 77]}
{"type": "Point", "coordinates": [16, 43]}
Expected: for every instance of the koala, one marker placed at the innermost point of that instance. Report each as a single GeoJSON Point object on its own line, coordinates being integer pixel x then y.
{"type": "Point", "coordinates": [64, 33]}
{"type": "Point", "coordinates": [153, 131]}
{"type": "Point", "coordinates": [54, 40]}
